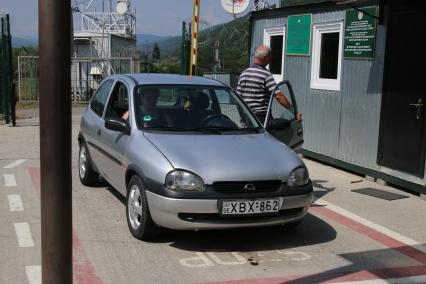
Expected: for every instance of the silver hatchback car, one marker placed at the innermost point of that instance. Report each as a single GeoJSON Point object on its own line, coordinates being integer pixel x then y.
{"type": "Point", "coordinates": [188, 154]}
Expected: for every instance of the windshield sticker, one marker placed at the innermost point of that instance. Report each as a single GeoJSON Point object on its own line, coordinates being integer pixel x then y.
{"type": "Point", "coordinates": [147, 118]}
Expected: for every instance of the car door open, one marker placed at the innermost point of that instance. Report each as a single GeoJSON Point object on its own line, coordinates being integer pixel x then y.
{"type": "Point", "coordinates": [281, 122]}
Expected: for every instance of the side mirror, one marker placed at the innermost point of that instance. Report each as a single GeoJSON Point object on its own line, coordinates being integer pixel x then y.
{"type": "Point", "coordinates": [278, 124]}
{"type": "Point", "coordinates": [118, 126]}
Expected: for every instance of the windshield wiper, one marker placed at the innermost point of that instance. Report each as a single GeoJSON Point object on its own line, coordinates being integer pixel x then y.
{"type": "Point", "coordinates": [172, 128]}
{"type": "Point", "coordinates": [251, 129]}
{"type": "Point", "coordinates": [166, 128]}
{"type": "Point", "coordinates": [220, 129]}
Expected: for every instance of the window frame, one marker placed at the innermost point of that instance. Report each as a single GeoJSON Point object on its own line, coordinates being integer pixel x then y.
{"type": "Point", "coordinates": [267, 34]}
{"type": "Point", "coordinates": [317, 82]}
{"type": "Point", "coordinates": [110, 96]}
{"type": "Point", "coordinates": [107, 97]}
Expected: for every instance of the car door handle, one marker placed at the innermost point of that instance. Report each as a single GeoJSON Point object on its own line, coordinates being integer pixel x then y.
{"type": "Point", "coordinates": [99, 132]}
{"type": "Point", "coordinates": [419, 107]}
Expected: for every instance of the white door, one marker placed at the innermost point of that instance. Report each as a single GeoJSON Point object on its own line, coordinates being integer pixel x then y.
{"type": "Point", "coordinates": [275, 39]}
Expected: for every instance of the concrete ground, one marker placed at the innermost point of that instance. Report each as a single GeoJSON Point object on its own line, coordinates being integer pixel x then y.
{"type": "Point", "coordinates": [346, 237]}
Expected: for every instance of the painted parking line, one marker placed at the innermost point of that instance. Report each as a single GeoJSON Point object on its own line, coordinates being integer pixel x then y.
{"type": "Point", "coordinates": [23, 233]}
{"type": "Point", "coordinates": [33, 274]}
{"type": "Point", "coordinates": [373, 231]}
{"type": "Point", "coordinates": [369, 229]}
{"type": "Point", "coordinates": [379, 228]}
{"type": "Point", "coordinates": [413, 279]}
{"type": "Point", "coordinates": [389, 275]}
{"type": "Point", "coordinates": [9, 180]}
{"type": "Point", "coordinates": [15, 164]}
{"type": "Point", "coordinates": [15, 203]}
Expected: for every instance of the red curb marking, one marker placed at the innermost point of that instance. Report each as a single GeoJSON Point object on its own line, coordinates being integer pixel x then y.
{"type": "Point", "coordinates": [372, 234]}
{"type": "Point", "coordinates": [330, 277]}
{"type": "Point", "coordinates": [335, 277]}
{"type": "Point", "coordinates": [84, 271]}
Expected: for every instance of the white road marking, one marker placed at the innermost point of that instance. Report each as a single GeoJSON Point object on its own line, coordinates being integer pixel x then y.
{"type": "Point", "coordinates": [23, 233]}
{"type": "Point", "coordinates": [239, 258]}
{"type": "Point", "coordinates": [412, 279]}
{"type": "Point", "coordinates": [9, 180]}
{"type": "Point", "coordinates": [372, 225]}
{"type": "Point", "coordinates": [15, 203]}
{"type": "Point", "coordinates": [199, 261]}
{"type": "Point", "coordinates": [33, 274]}
{"type": "Point", "coordinates": [15, 164]}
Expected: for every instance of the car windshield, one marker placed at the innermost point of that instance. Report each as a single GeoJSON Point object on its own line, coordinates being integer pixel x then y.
{"type": "Point", "coordinates": [192, 108]}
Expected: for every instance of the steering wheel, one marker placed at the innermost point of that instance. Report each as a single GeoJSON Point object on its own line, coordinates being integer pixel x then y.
{"type": "Point", "coordinates": [213, 117]}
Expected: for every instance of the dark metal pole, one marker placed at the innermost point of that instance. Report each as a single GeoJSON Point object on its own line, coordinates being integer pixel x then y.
{"type": "Point", "coordinates": [13, 104]}
{"type": "Point", "coordinates": [55, 140]}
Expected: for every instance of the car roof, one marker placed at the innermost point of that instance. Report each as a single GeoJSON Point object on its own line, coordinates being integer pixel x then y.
{"type": "Point", "coordinates": [172, 79]}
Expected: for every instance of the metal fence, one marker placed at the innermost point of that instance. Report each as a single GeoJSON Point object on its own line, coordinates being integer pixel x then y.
{"type": "Point", "coordinates": [86, 75]}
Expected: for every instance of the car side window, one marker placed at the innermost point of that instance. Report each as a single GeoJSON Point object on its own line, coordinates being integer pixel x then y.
{"type": "Point", "coordinates": [99, 99]}
{"type": "Point", "coordinates": [118, 103]}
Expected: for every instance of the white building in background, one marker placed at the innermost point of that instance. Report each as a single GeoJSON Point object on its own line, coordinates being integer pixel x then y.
{"type": "Point", "coordinates": [104, 43]}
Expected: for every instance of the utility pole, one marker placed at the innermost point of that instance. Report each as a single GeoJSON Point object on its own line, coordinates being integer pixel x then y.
{"type": "Point", "coordinates": [55, 140]}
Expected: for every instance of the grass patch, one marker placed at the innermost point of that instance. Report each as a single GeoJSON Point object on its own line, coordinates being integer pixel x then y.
{"type": "Point", "coordinates": [36, 104]}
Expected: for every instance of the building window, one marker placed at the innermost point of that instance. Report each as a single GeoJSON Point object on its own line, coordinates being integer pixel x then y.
{"type": "Point", "coordinates": [327, 56]}
{"type": "Point", "coordinates": [274, 38]}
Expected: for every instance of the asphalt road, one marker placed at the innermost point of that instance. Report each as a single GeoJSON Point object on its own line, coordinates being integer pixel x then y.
{"type": "Point", "coordinates": [347, 237]}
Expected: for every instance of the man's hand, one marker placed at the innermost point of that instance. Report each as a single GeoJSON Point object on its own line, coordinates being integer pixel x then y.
{"type": "Point", "coordinates": [125, 116]}
{"type": "Point", "coordinates": [299, 116]}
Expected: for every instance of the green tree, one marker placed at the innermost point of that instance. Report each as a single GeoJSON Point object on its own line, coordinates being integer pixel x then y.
{"type": "Point", "coordinates": [156, 54]}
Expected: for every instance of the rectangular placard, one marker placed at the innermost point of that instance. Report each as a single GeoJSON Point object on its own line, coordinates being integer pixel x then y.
{"type": "Point", "coordinates": [360, 33]}
{"type": "Point", "coordinates": [299, 35]}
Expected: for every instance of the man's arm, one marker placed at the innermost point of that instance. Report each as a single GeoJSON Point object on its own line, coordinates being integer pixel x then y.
{"type": "Point", "coordinates": [279, 96]}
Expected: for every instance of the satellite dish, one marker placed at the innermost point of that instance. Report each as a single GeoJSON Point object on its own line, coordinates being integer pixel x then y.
{"type": "Point", "coordinates": [122, 7]}
{"type": "Point", "coordinates": [235, 6]}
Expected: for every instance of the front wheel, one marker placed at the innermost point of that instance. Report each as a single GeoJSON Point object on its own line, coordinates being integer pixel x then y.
{"type": "Point", "coordinates": [139, 219]}
{"type": "Point", "coordinates": [86, 173]}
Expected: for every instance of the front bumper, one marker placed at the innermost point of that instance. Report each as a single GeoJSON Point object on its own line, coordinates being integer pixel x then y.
{"type": "Point", "coordinates": [192, 214]}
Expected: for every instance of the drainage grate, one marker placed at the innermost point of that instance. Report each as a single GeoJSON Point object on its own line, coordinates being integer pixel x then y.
{"type": "Point", "coordinates": [374, 192]}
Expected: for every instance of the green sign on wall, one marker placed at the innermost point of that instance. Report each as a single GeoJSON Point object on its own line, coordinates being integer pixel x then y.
{"type": "Point", "coordinates": [360, 33]}
{"type": "Point", "coordinates": [299, 35]}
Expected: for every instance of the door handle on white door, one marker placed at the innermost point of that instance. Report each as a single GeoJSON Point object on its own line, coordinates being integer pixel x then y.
{"type": "Point", "coordinates": [419, 107]}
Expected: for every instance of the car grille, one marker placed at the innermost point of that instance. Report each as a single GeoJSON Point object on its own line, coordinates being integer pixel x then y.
{"type": "Point", "coordinates": [241, 187]}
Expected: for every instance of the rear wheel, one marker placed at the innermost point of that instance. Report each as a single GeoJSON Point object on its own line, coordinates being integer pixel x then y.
{"type": "Point", "coordinates": [86, 173]}
{"type": "Point", "coordinates": [139, 219]}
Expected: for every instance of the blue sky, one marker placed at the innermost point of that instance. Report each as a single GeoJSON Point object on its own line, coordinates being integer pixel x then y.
{"type": "Point", "coordinates": [159, 17]}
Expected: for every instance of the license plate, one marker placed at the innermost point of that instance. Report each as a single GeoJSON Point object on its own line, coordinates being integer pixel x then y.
{"type": "Point", "coordinates": [247, 207]}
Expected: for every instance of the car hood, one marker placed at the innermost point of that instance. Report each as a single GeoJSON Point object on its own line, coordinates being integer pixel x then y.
{"type": "Point", "coordinates": [228, 157]}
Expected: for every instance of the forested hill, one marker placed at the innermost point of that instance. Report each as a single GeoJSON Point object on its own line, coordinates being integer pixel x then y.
{"type": "Point", "coordinates": [233, 51]}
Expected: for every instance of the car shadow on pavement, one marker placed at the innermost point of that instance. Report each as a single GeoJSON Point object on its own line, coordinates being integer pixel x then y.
{"type": "Point", "coordinates": [320, 190]}
{"type": "Point", "coordinates": [310, 232]}
{"type": "Point", "coordinates": [388, 263]}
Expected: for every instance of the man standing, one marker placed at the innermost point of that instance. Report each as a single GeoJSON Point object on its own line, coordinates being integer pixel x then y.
{"type": "Point", "coordinates": [257, 83]}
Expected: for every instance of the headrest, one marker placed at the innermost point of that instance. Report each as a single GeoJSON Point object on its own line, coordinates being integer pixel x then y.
{"type": "Point", "coordinates": [151, 92]}
{"type": "Point", "coordinates": [202, 101]}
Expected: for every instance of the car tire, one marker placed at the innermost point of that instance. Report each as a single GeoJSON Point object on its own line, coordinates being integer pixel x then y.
{"type": "Point", "coordinates": [86, 173]}
{"type": "Point", "coordinates": [139, 219]}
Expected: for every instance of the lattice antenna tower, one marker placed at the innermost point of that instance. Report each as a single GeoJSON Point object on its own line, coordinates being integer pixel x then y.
{"type": "Point", "coordinates": [106, 16]}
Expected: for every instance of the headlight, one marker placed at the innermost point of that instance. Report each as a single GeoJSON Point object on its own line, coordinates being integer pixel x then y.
{"type": "Point", "coordinates": [184, 181]}
{"type": "Point", "coordinates": [298, 177]}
